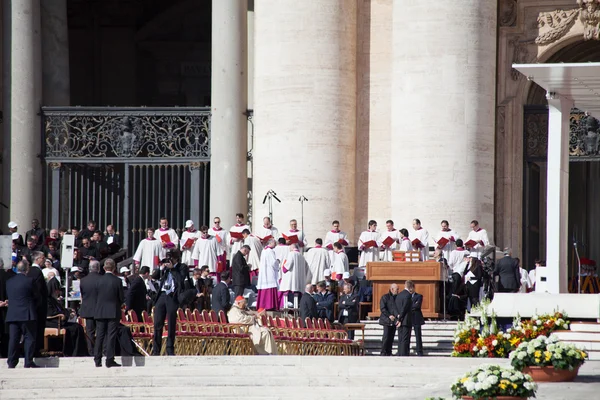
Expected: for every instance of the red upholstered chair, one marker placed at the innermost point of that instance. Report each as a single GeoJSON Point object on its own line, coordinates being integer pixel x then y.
{"type": "Point", "coordinates": [271, 322]}
{"type": "Point", "coordinates": [198, 316]}
{"type": "Point", "coordinates": [280, 323]}
{"type": "Point", "coordinates": [189, 316]}
{"type": "Point", "coordinates": [205, 316]}
{"type": "Point", "coordinates": [222, 316]}
{"type": "Point", "coordinates": [263, 320]}
{"type": "Point", "coordinates": [289, 322]}
{"type": "Point", "coordinates": [309, 323]}
{"type": "Point", "coordinates": [212, 315]}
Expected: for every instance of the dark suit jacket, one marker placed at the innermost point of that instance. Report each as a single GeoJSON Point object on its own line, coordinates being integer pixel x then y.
{"type": "Point", "coordinates": [115, 245]}
{"type": "Point", "coordinates": [508, 271]}
{"type": "Point", "coordinates": [109, 290]}
{"type": "Point", "coordinates": [55, 308]}
{"type": "Point", "coordinates": [41, 234]}
{"type": "Point", "coordinates": [417, 314]}
{"type": "Point", "coordinates": [21, 299]}
{"type": "Point", "coordinates": [136, 296]}
{"type": "Point", "coordinates": [221, 298]}
{"type": "Point", "coordinates": [308, 307]}
{"type": "Point", "coordinates": [179, 283]}
{"type": "Point", "coordinates": [88, 295]}
{"type": "Point", "coordinates": [240, 272]}
{"type": "Point", "coordinates": [387, 304]}
{"type": "Point", "coordinates": [324, 304]}
{"type": "Point", "coordinates": [348, 302]}
{"type": "Point", "coordinates": [40, 289]}
{"type": "Point", "coordinates": [404, 308]}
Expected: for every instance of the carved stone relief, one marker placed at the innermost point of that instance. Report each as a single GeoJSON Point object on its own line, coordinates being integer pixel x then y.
{"type": "Point", "coordinates": [556, 24]}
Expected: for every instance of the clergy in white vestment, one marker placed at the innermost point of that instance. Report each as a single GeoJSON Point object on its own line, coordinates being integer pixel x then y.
{"type": "Point", "coordinates": [526, 283]}
{"type": "Point", "coordinates": [295, 236]}
{"type": "Point", "coordinates": [268, 278]}
{"type": "Point", "coordinates": [149, 251]}
{"type": "Point", "coordinates": [405, 244]}
{"type": "Point", "coordinates": [419, 238]}
{"type": "Point", "coordinates": [340, 262]}
{"type": "Point", "coordinates": [187, 242]}
{"type": "Point", "coordinates": [262, 337]}
{"type": "Point", "coordinates": [167, 237]}
{"type": "Point", "coordinates": [335, 235]}
{"type": "Point", "coordinates": [222, 237]}
{"type": "Point", "coordinates": [294, 274]}
{"type": "Point", "coordinates": [368, 245]}
{"type": "Point", "coordinates": [532, 273]}
{"type": "Point", "coordinates": [206, 251]}
{"type": "Point", "coordinates": [236, 240]}
{"type": "Point", "coordinates": [389, 241]}
{"type": "Point", "coordinates": [449, 235]}
{"type": "Point", "coordinates": [256, 248]}
{"type": "Point", "coordinates": [477, 239]}
{"type": "Point", "coordinates": [456, 259]}
{"type": "Point", "coordinates": [281, 250]}
{"type": "Point", "coordinates": [317, 259]}
{"type": "Point", "coordinates": [266, 232]}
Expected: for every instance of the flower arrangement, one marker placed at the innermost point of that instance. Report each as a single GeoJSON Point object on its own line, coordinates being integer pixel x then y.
{"type": "Point", "coordinates": [489, 381]}
{"type": "Point", "coordinates": [547, 352]}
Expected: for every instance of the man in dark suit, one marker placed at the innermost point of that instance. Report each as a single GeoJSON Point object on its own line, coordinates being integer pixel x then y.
{"type": "Point", "coordinates": [36, 231]}
{"type": "Point", "coordinates": [240, 271]}
{"type": "Point", "coordinates": [41, 298]}
{"type": "Point", "coordinates": [348, 306]}
{"type": "Point", "coordinates": [221, 298]}
{"type": "Point", "coordinates": [107, 314]}
{"type": "Point", "coordinates": [417, 320]}
{"type": "Point", "coordinates": [507, 269]}
{"type": "Point", "coordinates": [170, 288]}
{"type": "Point", "coordinates": [6, 273]}
{"type": "Point", "coordinates": [22, 316]}
{"type": "Point", "coordinates": [87, 285]}
{"type": "Point", "coordinates": [404, 318]}
{"type": "Point", "coordinates": [112, 240]}
{"type": "Point", "coordinates": [137, 295]}
{"type": "Point", "coordinates": [324, 300]}
{"type": "Point", "coordinates": [387, 319]}
{"type": "Point", "coordinates": [308, 305]}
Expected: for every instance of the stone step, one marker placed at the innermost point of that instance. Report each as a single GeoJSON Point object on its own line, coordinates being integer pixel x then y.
{"type": "Point", "coordinates": [578, 336]}
{"type": "Point", "coordinates": [585, 327]}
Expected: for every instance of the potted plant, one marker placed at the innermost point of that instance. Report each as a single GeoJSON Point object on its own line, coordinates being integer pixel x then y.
{"type": "Point", "coordinates": [547, 359]}
{"type": "Point", "coordinates": [494, 382]}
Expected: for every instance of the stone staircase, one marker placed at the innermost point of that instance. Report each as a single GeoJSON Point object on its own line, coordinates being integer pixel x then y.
{"type": "Point", "coordinates": [585, 335]}
{"type": "Point", "coordinates": [437, 338]}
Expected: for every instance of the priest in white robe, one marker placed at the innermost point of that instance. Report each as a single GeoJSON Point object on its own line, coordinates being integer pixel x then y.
{"type": "Point", "coordinates": [368, 245]}
{"type": "Point", "coordinates": [419, 238]}
{"type": "Point", "coordinates": [188, 240]}
{"type": "Point", "coordinates": [281, 250]}
{"type": "Point", "coordinates": [295, 236]}
{"type": "Point", "coordinates": [318, 260]}
{"type": "Point", "coordinates": [206, 251]}
{"type": "Point", "coordinates": [456, 259]}
{"type": "Point", "coordinates": [390, 241]}
{"type": "Point", "coordinates": [335, 235]}
{"type": "Point", "coordinates": [266, 232]}
{"type": "Point", "coordinates": [405, 244]}
{"type": "Point", "coordinates": [149, 251]}
{"type": "Point", "coordinates": [294, 275]}
{"type": "Point", "coordinates": [236, 239]}
{"type": "Point", "coordinates": [167, 237]}
{"type": "Point", "coordinates": [477, 239]}
{"type": "Point", "coordinates": [268, 278]}
{"type": "Point", "coordinates": [256, 249]}
{"type": "Point", "coordinates": [262, 337]}
{"type": "Point", "coordinates": [340, 263]}
{"type": "Point", "coordinates": [449, 235]}
{"type": "Point", "coordinates": [222, 237]}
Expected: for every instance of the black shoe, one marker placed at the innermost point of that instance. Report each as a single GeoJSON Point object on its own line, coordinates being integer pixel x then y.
{"type": "Point", "coordinates": [32, 365]}
{"type": "Point", "coordinates": [110, 364]}
{"type": "Point", "coordinates": [98, 363]}
{"type": "Point", "coordinates": [12, 366]}
{"type": "Point", "coordinates": [419, 354]}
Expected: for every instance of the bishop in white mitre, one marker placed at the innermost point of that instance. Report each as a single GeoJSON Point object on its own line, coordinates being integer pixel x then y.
{"type": "Point", "coordinates": [256, 248]}
{"type": "Point", "coordinates": [268, 278]}
{"type": "Point", "coordinates": [206, 251]}
{"type": "Point", "coordinates": [449, 234]}
{"type": "Point", "coordinates": [172, 242]}
{"type": "Point", "coordinates": [236, 240]}
{"type": "Point", "coordinates": [335, 235]}
{"type": "Point", "coordinates": [390, 241]}
{"type": "Point", "coordinates": [294, 231]}
{"type": "Point", "coordinates": [419, 238]}
{"type": "Point", "coordinates": [368, 245]}
{"type": "Point", "coordinates": [480, 237]}
{"type": "Point", "coordinates": [294, 274]}
{"type": "Point", "coordinates": [148, 252]}
{"type": "Point", "coordinates": [317, 259]}
{"type": "Point", "coordinates": [340, 263]}
{"type": "Point", "coordinates": [187, 242]}
{"type": "Point", "coordinates": [266, 232]}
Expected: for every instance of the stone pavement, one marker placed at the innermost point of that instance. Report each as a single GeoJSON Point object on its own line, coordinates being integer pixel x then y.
{"type": "Point", "coordinates": [262, 377]}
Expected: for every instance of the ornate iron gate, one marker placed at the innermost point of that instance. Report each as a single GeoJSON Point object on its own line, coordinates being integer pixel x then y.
{"type": "Point", "coordinates": [127, 167]}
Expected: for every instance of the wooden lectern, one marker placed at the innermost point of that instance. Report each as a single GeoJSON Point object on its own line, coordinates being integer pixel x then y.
{"type": "Point", "coordinates": [426, 275]}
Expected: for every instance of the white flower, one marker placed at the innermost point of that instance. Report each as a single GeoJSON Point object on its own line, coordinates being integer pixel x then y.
{"type": "Point", "coordinates": [521, 356]}
{"type": "Point", "coordinates": [475, 348]}
{"type": "Point", "coordinates": [494, 343]}
{"type": "Point", "coordinates": [538, 322]}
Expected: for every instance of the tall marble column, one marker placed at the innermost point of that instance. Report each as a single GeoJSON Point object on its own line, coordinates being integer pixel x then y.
{"type": "Point", "coordinates": [22, 100]}
{"type": "Point", "coordinates": [305, 111]}
{"type": "Point", "coordinates": [55, 53]}
{"type": "Point", "coordinates": [443, 113]}
{"type": "Point", "coordinates": [229, 132]}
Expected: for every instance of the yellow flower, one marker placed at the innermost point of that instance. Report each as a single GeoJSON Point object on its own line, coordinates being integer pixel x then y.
{"type": "Point", "coordinates": [502, 386]}
{"type": "Point", "coordinates": [514, 385]}
{"type": "Point", "coordinates": [548, 355]}
{"type": "Point", "coordinates": [463, 380]}
{"type": "Point", "coordinates": [537, 354]}
{"type": "Point", "coordinates": [583, 354]}
{"type": "Point", "coordinates": [480, 342]}
{"type": "Point", "coordinates": [514, 341]}
{"type": "Point", "coordinates": [537, 360]}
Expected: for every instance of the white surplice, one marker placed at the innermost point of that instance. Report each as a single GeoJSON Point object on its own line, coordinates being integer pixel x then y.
{"type": "Point", "coordinates": [302, 243]}
{"type": "Point", "coordinates": [386, 254]}
{"type": "Point", "coordinates": [256, 249]}
{"type": "Point", "coordinates": [295, 279]}
{"type": "Point", "coordinates": [405, 245]}
{"type": "Point", "coordinates": [172, 236]}
{"type": "Point", "coordinates": [525, 281]}
{"type": "Point", "coordinates": [264, 232]}
{"type": "Point", "coordinates": [148, 253]}
{"type": "Point", "coordinates": [318, 261]}
{"type": "Point", "coordinates": [371, 253]}
{"type": "Point", "coordinates": [268, 274]}
{"type": "Point", "coordinates": [186, 254]}
{"type": "Point", "coordinates": [206, 252]}
{"type": "Point", "coordinates": [423, 236]}
{"type": "Point", "coordinates": [235, 246]}
{"type": "Point", "coordinates": [335, 237]}
{"type": "Point", "coordinates": [222, 237]}
{"type": "Point", "coordinates": [478, 236]}
{"type": "Point", "coordinates": [340, 264]}
{"type": "Point", "coordinates": [456, 261]}
{"type": "Point", "coordinates": [452, 236]}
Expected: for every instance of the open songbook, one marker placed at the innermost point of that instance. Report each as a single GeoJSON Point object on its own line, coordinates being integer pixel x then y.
{"type": "Point", "coordinates": [293, 238]}
{"type": "Point", "coordinates": [369, 244]}
{"type": "Point", "coordinates": [389, 241]}
{"type": "Point", "coordinates": [470, 243]}
{"type": "Point", "coordinates": [266, 238]}
{"type": "Point", "coordinates": [165, 238]}
{"type": "Point", "coordinates": [442, 243]}
{"type": "Point", "coordinates": [417, 244]}
{"type": "Point", "coordinates": [236, 235]}
{"type": "Point", "coordinates": [188, 243]}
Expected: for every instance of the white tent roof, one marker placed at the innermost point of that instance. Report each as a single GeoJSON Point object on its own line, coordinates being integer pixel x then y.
{"type": "Point", "coordinates": [578, 81]}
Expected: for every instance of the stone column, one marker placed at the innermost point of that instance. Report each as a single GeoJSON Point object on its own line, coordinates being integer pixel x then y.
{"type": "Point", "coordinates": [22, 100]}
{"type": "Point", "coordinates": [229, 133]}
{"type": "Point", "coordinates": [55, 53]}
{"type": "Point", "coordinates": [443, 113]}
{"type": "Point", "coordinates": [305, 111]}
{"type": "Point", "coordinates": [557, 212]}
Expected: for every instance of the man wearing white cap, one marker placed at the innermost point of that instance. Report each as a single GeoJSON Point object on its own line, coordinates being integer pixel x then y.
{"type": "Point", "coordinates": [12, 227]}
{"type": "Point", "coordinates": [124, 271]}
{"type": "Point", "coordinates": [188, 240]}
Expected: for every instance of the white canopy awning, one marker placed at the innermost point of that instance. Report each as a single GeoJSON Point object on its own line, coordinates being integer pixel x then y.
{"type": "Point", "coordinates": [578, 81]}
